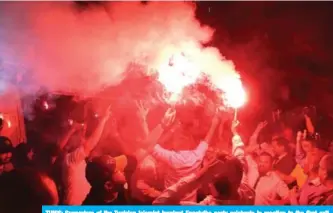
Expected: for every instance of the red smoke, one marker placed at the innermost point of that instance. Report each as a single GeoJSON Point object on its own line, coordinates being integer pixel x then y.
{"type": "Point", "coordinates": [68, 50]}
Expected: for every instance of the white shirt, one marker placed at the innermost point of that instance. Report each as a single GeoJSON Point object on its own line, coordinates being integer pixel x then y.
{"type": "Point", "coordinates": [269, 188]}
{"type": "Point", "coordinates": [181, 164]}
{"type": "Point", "coordinates": [76, 186]}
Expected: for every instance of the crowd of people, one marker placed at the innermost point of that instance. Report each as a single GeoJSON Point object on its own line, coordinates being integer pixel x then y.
{"type": "Point", "coordinates": [170, 167]}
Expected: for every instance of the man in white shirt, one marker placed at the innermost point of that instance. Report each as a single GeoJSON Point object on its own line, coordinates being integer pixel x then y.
{"type": "Point", "coordinates": [269, 187]}
{"type": "Point", "coordinates": [223, 175]}
{"type": "Point", "coordinates": [184, 161]}
{"type": "Point", "coordinates": [76, 186]}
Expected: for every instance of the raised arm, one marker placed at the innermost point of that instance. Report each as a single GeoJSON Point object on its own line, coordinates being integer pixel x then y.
{"type": "Point", "coordinates": [255, 134]}
{"type": "Point", "coordinates": [309, 125]}
{"type": "Point", "coordinates": [237, 143]}
{"type": "Point", "coordinates": [151, 138]}
{"type": "Point", "coordinates": [174, 194]}
{"type": "Point", "coordinates": [92, 141]}
{"type": "Point", "coordinates": [213, 126]}
{"type": "Point", "coordinates": [142, 113]}
{"type": "Point", "coordinates": [300, 155]}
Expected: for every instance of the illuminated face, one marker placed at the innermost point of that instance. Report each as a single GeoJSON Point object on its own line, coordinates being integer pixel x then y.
{"type": "Point", "coordinates": [276, 148]}
{"type": "Point", "coordinates": [307, 146]}
{"type": "Point", "coordinates": [264, 164]}
{"type": "Point", "coordinates": [30, 154]}
{"type": "Point", "coordinates": [288, 134]}
{"type": "Point", "coordinates": [118, 177]}
{"type": "Point", "coordinates": [5, 157]}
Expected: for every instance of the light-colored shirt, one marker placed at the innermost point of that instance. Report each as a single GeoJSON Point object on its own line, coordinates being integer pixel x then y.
{"type": "Point", "coordinates": [76, 186]}
{"type": "Point", "coordinates": [147, 182]}
{"type": "Point", "coordinates": [252, 171]}
{"type": "Point", "coordinates": [180, 164]}
{"type": "Point", "coordinates": [270, 188]}
{"type": "Point", "coordinates": [311, 188]}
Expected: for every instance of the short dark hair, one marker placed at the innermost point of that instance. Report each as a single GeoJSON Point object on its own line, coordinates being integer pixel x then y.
{"type": "Point", "coordinates": [20, 154]}
{"type": "Point", "coordinates": [99, 169]}
{"type": "Point", "coordinates": [282, 141]}
{"type": "Point", "coordinates": [5, 145]}
{"type": "Point", "coordinates": [230, 179]}
{"type": "Point", "coordinates": [26, 190]}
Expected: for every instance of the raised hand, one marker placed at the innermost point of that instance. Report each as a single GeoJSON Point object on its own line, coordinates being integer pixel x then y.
{"type": "Point", "coordinates": [142, 109]}
{"type": "Point", "coordinates": [301, 135]}
{"type": "Point", "coordinates": [234, 126]}
{"type": "Point", "coordinates": [261, 126]}
{"type": "Point", "coordinates": [169, 118]}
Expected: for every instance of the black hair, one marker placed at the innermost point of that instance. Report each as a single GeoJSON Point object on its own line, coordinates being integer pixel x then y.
{"type": "Point", "coordinates": [227, 184]}
{"type": "Point", "coordinates": [20, 155]}
{"type": "Point", "coordinates": [99, 170]}
{"type": "Point", "coordinates": [282, 141]}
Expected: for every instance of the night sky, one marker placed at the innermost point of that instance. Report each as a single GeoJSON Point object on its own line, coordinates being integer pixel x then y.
{"type": "Point", "coordinates": [277, 43]}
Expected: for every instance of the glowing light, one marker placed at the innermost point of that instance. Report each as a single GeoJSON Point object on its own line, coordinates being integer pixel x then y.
{"type": "Point", "coordinates": [46, 105]}
{"type": "Point", "coordinates": [70, 122]}
{"type": "Point", "coordinates": [177, 74]}
{"type": "Point", "coordinates": [234, 93]}
{"type": "Point", "coordinates": [9, 124]}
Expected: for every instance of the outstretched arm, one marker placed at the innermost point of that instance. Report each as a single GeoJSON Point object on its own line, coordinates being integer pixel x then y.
{"type": "Point", "coordinates": [174, 194]}
{"type": "Point", "coordinates": [92, 141]}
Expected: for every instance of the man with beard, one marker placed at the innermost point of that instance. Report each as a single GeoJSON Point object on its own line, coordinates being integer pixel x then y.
{"type": "Point", "coordinates": [107, 179]}
{"type": "Point", "coordinates": [325, 174]}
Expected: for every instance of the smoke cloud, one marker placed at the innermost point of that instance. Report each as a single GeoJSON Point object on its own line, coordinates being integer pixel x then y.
{"type": "Point", "coordinates": [67, 50]}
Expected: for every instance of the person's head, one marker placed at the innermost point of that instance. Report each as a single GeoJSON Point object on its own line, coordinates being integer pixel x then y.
{"type": "Point", "coordinates": [288, 134]}
{"type": "Point", "coordinates": [325, 171]}
{"type": "Point", "coordinates": [226, 185]}
{"type": "Point", "coordinates": [265, 162]}
{"type": "Point", "coordinates": [312, 161]}
{"type": "Point", "coordinates": [6, 150]}
{"type": "Point", "coordinates": [183, 140]}
{"type": "Point", "coordinates": [210, 154]}
{"type": "Point", "coordinates": [280, 145]}
{"type": "Point", "coordinates": [311, 143]}
{"type": "Point", "coordinates": [102, 174]}
{"type": "Point", "coordinates": [308, 145]}
{"type": "Point", "coordinates": [26, 190]}
{"type": "Point", "coordinates": [22, 154]}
